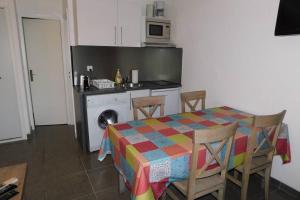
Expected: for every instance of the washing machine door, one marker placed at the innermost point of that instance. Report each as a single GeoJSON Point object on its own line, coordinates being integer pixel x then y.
{"type": "Point", "coordinates": [107, 117]}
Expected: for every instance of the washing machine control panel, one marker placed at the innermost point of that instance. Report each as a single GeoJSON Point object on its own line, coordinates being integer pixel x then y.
{"type": "Point", "coordinates": [107, 99]}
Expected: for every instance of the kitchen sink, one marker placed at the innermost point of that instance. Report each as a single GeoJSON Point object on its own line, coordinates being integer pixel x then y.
{"type": "Point", "coordinates": [133, 85]}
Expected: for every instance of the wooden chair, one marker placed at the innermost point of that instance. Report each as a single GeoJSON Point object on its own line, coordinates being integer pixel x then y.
{"type": "Point", "coordinates": [152, 103]}
{"type": "Point", "coordinates": [260, 152]}
{"type": "Point", "coordinates": [196, 96]}
{"type": "Point", "coordinates": [204, 181]}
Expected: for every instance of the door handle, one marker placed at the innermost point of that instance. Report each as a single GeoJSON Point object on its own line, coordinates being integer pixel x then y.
{"type": "Point", "coordinates": [31, 74]}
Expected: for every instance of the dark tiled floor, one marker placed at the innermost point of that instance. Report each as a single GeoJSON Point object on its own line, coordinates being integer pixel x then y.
{"type": "Point", "coordinates": [58, 170]}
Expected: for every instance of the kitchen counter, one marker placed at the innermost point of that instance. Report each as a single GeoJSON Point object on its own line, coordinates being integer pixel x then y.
{"type": "Point", "coordinates": [152, 85]}
{"type": "Point", "coordinates": [80, 98]}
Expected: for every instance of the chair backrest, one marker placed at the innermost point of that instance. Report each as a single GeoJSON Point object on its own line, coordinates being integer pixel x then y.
{"type": "Point", "coordinates": [196, 96]}
{"type": "Point", "coordinates": [148, 103]}
{"type": "Point", "coordinates": [264, 136]}
{"type": "Point", "coordinates": [222, 139]}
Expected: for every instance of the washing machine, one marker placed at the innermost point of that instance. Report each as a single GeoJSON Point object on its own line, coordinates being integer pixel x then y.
{"type": "Point", "coordinates": [103, 110]}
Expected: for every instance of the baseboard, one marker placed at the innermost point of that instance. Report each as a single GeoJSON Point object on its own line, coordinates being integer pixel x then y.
{"type": "Point", "coordinates": [12, 140]}
{"type": "Point", "coordinates": [285, 188]}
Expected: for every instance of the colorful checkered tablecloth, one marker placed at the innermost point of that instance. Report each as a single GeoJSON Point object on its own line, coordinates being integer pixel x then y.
{"type": "Point", "coordinates": [152, 153]}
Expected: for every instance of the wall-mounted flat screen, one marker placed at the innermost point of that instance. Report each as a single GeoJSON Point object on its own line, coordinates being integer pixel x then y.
{"type": "Point", "coordinates": [288, 18]}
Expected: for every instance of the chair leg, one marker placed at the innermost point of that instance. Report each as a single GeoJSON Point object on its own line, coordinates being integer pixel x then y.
{"type": "Point", "coordinates": [267, 181]}
{"type": "Point", "coordinates": [171, 194]}
{"type": "Point", "coordinates": [122, 187]}
{"type": "Point", "coordinates": [245, 183]}
{"type": "Point", "coordinates": [221, 194]}
{"type": "Point", "coordinates": [164, 196]}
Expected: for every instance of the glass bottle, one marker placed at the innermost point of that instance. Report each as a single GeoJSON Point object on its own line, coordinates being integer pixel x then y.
{"type": "Point", "coordinates": [118, 78]}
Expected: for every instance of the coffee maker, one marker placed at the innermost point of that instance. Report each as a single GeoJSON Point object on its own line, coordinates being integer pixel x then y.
{"type": "Point", "coordinates": [159, 9]}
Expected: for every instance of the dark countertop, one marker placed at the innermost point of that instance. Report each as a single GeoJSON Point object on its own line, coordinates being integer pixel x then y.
{"type": "Point", "coordinates": [152, 85]}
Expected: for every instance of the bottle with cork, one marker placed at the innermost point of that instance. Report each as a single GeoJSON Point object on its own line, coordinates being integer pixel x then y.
{"type": "Point", "coordinates": [118, 77]}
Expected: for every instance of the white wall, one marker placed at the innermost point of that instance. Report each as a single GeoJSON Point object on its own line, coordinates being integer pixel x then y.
{"type": "Point", "coordinates": [230, 50]}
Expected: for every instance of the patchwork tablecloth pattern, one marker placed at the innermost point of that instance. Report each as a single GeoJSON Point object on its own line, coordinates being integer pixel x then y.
{"type": "Point", "coordinates": [152, 153]}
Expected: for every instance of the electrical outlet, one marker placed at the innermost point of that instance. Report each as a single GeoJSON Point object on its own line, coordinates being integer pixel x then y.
{"type": "Point", "coordinates": [89, 68]}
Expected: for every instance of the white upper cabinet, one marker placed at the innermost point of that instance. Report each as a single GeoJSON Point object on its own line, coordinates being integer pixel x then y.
{"type": "Point", "coordinates": [130, 19]}
{"type": "Point", "coordinates": [97, 22]}
{"type": "Point", "coordinates": [108, 22]}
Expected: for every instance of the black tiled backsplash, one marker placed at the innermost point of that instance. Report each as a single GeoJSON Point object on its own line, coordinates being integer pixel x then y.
{"type": "Point", "coordinates": [152, 63]}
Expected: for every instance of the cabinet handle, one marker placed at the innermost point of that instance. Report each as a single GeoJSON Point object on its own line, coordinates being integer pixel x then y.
{"type": "Point", "coordinates": [115, 35]}
{"type": "Point", "coordinates": [130, 100]}
{"type": "Point", "coordinates": [121, 35]}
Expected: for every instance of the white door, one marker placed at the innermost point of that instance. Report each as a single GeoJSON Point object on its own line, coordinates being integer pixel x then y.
{"type": "Point", "coordinates": [46, 70]}
{"type": "Point", "coordinates": [171, 100]}
{"type": "Point", "coordinates": [130, 20]}
{"type": "Point", "coordinates": [97, 22]}
{"type": "Point", "coordinates": [10, 125]}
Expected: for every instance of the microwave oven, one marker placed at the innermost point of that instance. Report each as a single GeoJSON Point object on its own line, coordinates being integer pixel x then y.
{"type": "Point", "coordinates": [158, 31]}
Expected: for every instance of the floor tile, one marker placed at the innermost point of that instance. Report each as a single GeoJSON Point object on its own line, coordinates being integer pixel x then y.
{"type": "Point", "coordinates": [69, 187]}
{"type": "Point", "coordinates": [90, 161]}
{"type": "Point", "coordinates": [103, 178]}
{"type": "Point", "coordinates": [87, 197]}
{"type": "Point", "coordinates": [112, 193]}
{"type": "Point", "coordinates": [56, 167]}
{"type": "Point", "coordinates": [280, 195]}
{"type": "Point", "coordinates": [34, 193]}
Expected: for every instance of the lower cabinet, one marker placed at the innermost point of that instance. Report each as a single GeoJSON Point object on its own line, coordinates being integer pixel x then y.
{"type": "Point", "coordinates": [134, 94]}
{"type": "Point", "coordinates": [172, 101]}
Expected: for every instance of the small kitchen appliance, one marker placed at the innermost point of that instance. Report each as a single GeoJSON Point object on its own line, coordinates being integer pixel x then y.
{"type": "Point", "coordinates": [158, 31]}
{"type": "Point", "coordinates": [159, 9]}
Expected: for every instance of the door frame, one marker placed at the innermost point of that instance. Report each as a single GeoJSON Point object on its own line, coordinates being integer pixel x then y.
{"type": "Point", "coordinates": [67, 69]}
{"type": "Point", "coordinates": [16, 56]}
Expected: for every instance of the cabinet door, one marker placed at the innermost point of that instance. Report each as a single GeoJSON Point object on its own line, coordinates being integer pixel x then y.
{"type": "Point", "coordinates": [171, 100]}
{"type": "Point", "coordinates": [130, 19]}
{"type": "Point", "coordinates": [134, 94]}
{"type": "Point", "coordinates": [97, 22]}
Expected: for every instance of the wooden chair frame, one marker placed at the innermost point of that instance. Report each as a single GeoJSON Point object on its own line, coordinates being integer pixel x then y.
{"type": "Point", "coordinates": [153, 103]}
{"type": "Point", "coordinates": [204, 138]}
{"type": "Point", "coordinates": [187, 97]}
{"type": "Point", "coordinates": [259, 156]}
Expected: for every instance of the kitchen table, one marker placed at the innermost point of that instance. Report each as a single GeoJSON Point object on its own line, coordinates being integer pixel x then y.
{"type": "Point", "coordinates": [152, 153]}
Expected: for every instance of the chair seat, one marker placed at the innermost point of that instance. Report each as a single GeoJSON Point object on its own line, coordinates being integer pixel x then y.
{"type": "Point", "coordinates": [257, 163]}
{"type": "Point", "coordinates": [210, 184]}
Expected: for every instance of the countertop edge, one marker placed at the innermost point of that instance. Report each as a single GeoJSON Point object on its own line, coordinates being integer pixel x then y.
{"type": "Point", "coordinates": [95, 91]}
